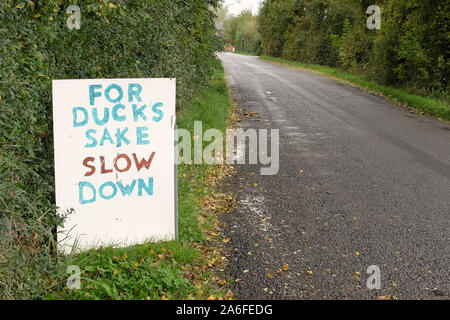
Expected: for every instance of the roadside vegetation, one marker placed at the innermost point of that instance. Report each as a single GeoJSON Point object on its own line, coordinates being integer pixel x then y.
{"type": "Point", "coordinates": [241, 31]}
{"type": "Point", "coordinates": [406, 60]}
{"type": "Point", "coordinates": [117, 39]}
{"type": "Point", "coordinates": [187, 268]}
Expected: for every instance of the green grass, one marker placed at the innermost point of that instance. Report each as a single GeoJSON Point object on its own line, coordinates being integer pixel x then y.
{"type": "Point", "coordinates": [425, 105]}
{"type": "Point", "coordinates": [164, 270]}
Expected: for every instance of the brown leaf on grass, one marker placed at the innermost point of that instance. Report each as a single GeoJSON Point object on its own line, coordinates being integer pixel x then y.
{"type": "Point", "coordinates": [229, 295]}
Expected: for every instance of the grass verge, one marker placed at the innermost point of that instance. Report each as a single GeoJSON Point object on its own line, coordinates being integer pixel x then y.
{"type": "Point", "coordinates": [181, 269]}
{"type": "Point", "coordinates": [401, 97]}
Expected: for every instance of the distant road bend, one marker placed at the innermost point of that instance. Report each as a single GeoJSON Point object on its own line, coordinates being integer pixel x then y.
{"type": "Point", "coordinates": [361, 182]}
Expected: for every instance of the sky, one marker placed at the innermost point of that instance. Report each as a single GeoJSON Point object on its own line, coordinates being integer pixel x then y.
{"type": "Point", "coordinates": [236, 6]}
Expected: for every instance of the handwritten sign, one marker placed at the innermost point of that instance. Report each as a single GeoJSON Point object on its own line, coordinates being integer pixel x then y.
{"type": "Point", "coordinates": [114, 161]}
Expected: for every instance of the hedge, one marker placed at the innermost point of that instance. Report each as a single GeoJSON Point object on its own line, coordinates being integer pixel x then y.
{"type": "Point", "coordinates": [117, 39]}
{"type": "Point", "coordinates": [411, 50]}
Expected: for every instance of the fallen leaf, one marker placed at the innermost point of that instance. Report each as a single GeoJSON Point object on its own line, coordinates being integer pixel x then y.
{"type": "Point", "coordinates": [387, 297]}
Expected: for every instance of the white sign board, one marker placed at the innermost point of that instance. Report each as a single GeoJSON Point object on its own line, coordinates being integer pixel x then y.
{"type": "Point", "coordinates": [114, 161]}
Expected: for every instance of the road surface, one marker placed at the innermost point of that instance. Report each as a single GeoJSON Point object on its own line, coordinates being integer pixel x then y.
{"type": "Point", "coordinates": [361, 182]}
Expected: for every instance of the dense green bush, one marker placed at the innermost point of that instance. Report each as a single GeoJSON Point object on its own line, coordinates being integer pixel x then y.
{"type": "Point", "coordinates": [118, 38]}
{"type": "Point", "coordinates": [410, 50]}
{"type": "Point", "coordinates": [242, 32]}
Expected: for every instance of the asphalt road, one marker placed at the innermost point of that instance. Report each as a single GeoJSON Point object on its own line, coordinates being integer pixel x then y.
{"type": "Point", "coordinates": [374, 190]}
